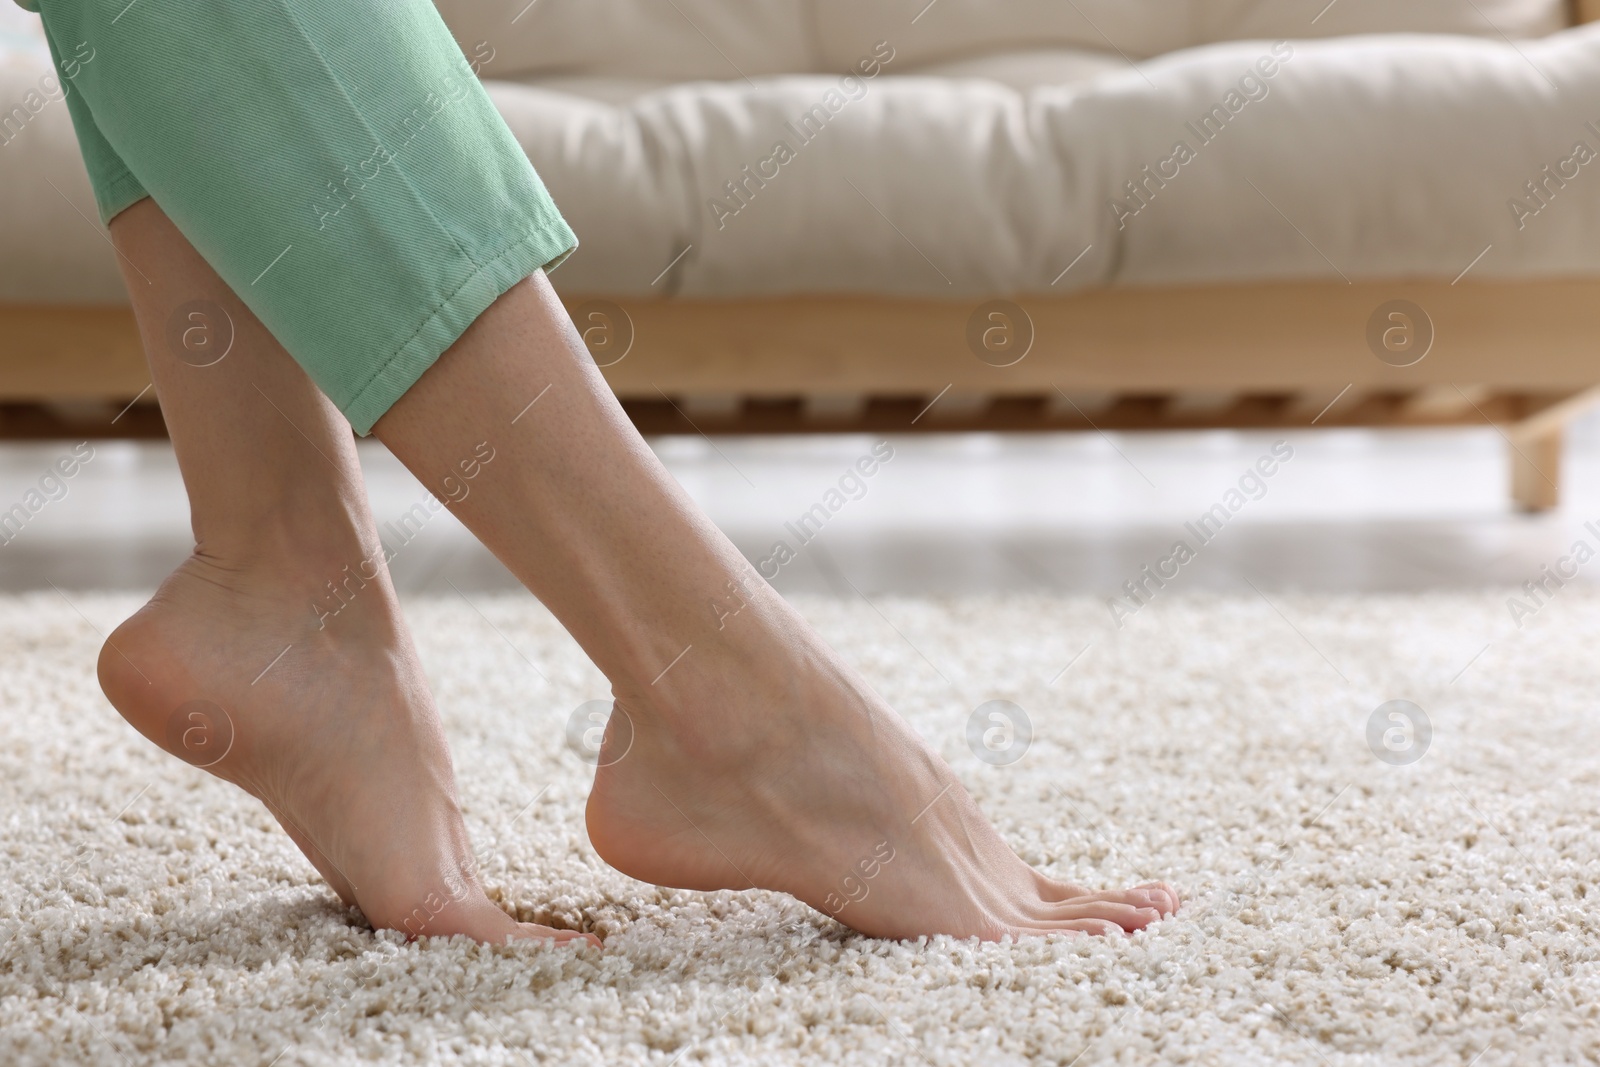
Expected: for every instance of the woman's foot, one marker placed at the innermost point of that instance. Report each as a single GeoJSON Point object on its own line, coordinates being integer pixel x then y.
{"type": "Point", "coordinates": [749, 754]}
{"type": "Point", "coordinates": [763, 761]}
{"type": "Point", "coordinates": [329, 724]}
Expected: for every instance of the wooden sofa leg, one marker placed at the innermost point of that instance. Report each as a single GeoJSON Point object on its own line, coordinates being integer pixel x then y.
{"type": "Point", "coordinates": [1536, 471]}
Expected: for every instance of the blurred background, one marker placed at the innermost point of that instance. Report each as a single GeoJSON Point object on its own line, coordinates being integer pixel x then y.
{"type": "Point", "coordinates": [1204, 212]}
{"type": "Point", "coordinates": [1354, 511]}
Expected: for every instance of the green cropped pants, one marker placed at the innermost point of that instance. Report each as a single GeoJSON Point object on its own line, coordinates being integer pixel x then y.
{"type": "Point", "coordinates": [335, 161]}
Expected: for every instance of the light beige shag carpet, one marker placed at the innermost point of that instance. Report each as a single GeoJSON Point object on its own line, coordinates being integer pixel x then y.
{"type": "Point", "coordinates": [1342, 908]}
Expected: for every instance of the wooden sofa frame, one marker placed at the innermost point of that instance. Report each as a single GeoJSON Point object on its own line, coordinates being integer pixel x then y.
{"type": "Point", "coordinates": [1521, 356]}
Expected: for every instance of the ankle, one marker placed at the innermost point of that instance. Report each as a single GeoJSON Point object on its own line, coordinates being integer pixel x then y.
{"type": "Point", "coordinates": [753, 660]}
{"type": "Point", "coordinates": [287, 537]}
{"type": "Point", "coordinates": [312, 572]}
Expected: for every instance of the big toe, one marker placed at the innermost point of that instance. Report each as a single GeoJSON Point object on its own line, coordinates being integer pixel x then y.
{"type": "Point", "coordinates": [1158, 895]}
{"type": "Point", "coordinates": [474, 915]}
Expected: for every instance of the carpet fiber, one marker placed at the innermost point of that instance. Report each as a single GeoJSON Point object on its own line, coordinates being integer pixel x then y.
{"type": "Point", "coordinates": [1342, 908]}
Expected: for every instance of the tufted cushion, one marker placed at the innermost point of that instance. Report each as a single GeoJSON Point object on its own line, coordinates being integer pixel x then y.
{"type": "Point", "coordinates": [1228, 20]}
{"type": "Point", "coordinates": [969, 166]}
{"type": "Point", "coordinates": [677, 39]}
{"type": "Point", "coordinates": [952, 29]}
{"type": "Point", "coordinates": [1380, 157]}
{"type": "Point", "coordinates": [730, 39]}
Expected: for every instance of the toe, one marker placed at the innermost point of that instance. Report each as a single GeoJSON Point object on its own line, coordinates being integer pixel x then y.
{"type": "Point", "coordinates": [1158, 895]}
{"type": "Point", "coordinates": [550, 935]}
{"type": "Point", "coordinates": [474, 916]}
{"type": "Point", "coordinates": [1126, 916]}
{"type": "Point", "coordinates": [1095, 927]}
{"type": "Point", "coordinates": [1052, 890]}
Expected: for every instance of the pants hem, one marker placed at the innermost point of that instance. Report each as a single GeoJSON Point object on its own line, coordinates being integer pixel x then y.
{"type": "Point", "coordinates": [445, 325]}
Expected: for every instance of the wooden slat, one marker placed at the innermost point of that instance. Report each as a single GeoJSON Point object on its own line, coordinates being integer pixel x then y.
{"type": "Point", "coordinates": [1202, 403]}
{"type": "Point", "coordinates": [1136, 410]}
{"type": "Point", "coordinates": [70, 353]}
{"type": "Point", "coordinates": [1256, 409]}
{"type": "Point", "coordinates": [1078, 403]}
{"type": "Point", "coordinates": [956, 406]}
{"type": "Point", "coordinates": [825, 407]}
{"type": "Point", "coordinates": [1521, 415]}
{"type": "Point", "coordinates": [717, 405]}
{"type": "Point", "coordinates": [1307, 404]}
{"type": "Point", "coordinates": [1444, 401]}
{"type": "Point", "coordinates": [1298, 337]}
{"type": "Point", "coordinates": [31, 421]}
{"type": "Point", "coordinates": [1550, 416]}
{"type": "Point", "coordinates": [1284, 337]}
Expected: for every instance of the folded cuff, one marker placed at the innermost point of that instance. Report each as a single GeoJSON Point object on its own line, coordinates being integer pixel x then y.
{"type": "Point", "coordinates": [543, 249]}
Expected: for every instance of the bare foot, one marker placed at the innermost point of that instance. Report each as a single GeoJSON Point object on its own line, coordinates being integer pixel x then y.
{"type": "Point", "coordinates": [769, 764]}
{"type": "Point", "coordinates": [332, 728]}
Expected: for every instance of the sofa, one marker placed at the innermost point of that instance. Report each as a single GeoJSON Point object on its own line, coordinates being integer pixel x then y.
{"type": "Point", "coordinates": [948, 215]}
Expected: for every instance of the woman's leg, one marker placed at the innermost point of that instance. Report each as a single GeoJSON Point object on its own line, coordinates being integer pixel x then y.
{"type": "Point", "coordinates": [354, 181]}
{"type": "Point", "coordinates": [754, 755]}
{"type": "Point", "coordinates": [240, 662]}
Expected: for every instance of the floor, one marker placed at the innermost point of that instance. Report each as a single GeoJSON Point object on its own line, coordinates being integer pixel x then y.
{"type": "Point", "coordinates": [946, 515]}
{"type": "Point", "coordinates": [1355, 894]}
{"type": "Point", "coordinates": [1347, 903]}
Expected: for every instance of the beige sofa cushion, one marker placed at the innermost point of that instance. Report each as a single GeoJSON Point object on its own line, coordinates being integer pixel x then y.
{"type": "Point", "coordinates": [686, 40]}
{"type": "Point", "coordinates": [956, 29]}
{"type": "Point", "coordinates": [923, 32]}
{"type": "Point", "coordinates": [1379, 157]}
{"type": "Point", "coordinates": [1375, 157]}
{"type": "Point", "coordinates": [676, 39]}
{"type": "Point", "coordinates": [48, 250]}
{"type": "Point", "coordinates": [1230, 20]}
{"type": "Point", "coordinates": [617, 170]}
